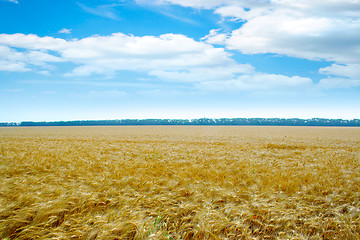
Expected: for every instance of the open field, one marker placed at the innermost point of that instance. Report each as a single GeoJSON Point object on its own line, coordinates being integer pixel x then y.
{"type": "Point", "coordinates": [180, 183]}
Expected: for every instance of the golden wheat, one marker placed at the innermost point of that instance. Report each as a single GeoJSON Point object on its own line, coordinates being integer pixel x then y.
{"type": "Point", "coordinates": [180, 183]}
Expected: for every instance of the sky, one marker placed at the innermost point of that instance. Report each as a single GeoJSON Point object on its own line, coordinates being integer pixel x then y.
{"type": "Point", "coordinates": [127, 59]}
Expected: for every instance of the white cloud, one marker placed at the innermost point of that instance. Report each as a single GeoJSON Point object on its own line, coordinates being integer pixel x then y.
{"type": "Point", "coordinates": [13, 1]}
{"type": "Point", "coordinates": [32, 42]}
{"type": "Point", "coordinates": [108, 54]}
{"type": "Point", "coordinates": [65, 30]}
{"type": "Point", "coordinates": [9, 66]}
{"type": "Point", "coordinates": [209, 4]}
{"type": "Point", "coordinates": [309, 38]}
{"type": "Point", "coordinates": [215, 37]}
{"type": "Point", "coordinates": [335, 82]}
{"type": "Point", "coordinates": [12, 60]}
{"type": "Point", "coordinates": [350, 70]}
{"type": "Point", "coordinates": [325, 30]}
{"type": "Point", "coordinates": [166, 10]}
{"type": "Point", "coordinates": [105, 11]}
{"type": "Point", "coordinates": [325, 8]}
{"type": "Point", "coordinates": [341, 76]}
{"type": "Point", "coordinates": [44, 72]}
{"type": "Point", "coordinates": [204, 74]}
{"type": "Point", "coordinates": [206, 4]}
{"type": "Point", "coordinates": [260, 82]}
{"type": "Point", "coordinates": [232, 12]}
{"type": "Point", "coordinates": [316, 30]}
{"type": "Point", "coordinates": [168, 57]}
{"type": "Point", "coordinates": [7, 53]}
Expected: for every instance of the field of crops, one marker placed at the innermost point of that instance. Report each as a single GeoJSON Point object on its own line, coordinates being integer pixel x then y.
{"type": "Point", "coordinates": [179, 183]}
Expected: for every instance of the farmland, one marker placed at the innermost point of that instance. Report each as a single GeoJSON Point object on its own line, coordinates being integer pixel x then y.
{"type": "Point", "coordinates": [180, 182]}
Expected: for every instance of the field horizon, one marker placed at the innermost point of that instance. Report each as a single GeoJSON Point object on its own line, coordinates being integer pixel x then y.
{"type": "Point", "coordinates": [180, 182]}
{"type": "Point", "coordinates": [257, 121]}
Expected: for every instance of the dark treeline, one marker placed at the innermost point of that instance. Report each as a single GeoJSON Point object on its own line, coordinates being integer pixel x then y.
{"type": "Point", "coordinates": [201, 121]}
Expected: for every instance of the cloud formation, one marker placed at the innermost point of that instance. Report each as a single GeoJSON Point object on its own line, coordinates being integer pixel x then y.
{"type": "Point", "coordinates": [324, 31]}
{"type": "Point", "coordinates": [116, 52]}
{"type": "Point", "coordinates": [168, 57]}
{"type": "Point", "coordinates": [101, 54]}
{"type": "Point", "coordinates": [13, 1]}
{"type": "Point", "coordinates": [65, 30]}
{"type": "Point", "coordinates": [316, 30]}
{"type": "Point", "coordinates": [16, 61]}
{"type": "Point", "coordinates": [260, 82]}
{"type": "Point", "coordinates": [108, 54]}
{"type": "Point", "coordinates": [341, 76]}
{"type": "Point", "coordinates": [10, 66]}
{"type": "Point", "coordinates": [105, 11]}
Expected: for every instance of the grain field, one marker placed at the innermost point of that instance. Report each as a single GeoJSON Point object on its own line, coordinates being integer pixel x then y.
{"type": "Point", "coordinates": [179, 183]}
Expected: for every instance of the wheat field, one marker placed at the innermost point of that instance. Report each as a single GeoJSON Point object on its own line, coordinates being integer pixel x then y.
{"type": "Point", "coordinates": [179, 182]}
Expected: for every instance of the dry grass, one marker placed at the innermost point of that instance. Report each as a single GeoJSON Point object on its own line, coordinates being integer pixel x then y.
{"type": "Point", "coordinates": [180, 183]}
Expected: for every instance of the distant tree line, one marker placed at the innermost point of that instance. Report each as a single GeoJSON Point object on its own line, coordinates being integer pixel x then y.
{"type": "Point", "coordinates": [200, 121]}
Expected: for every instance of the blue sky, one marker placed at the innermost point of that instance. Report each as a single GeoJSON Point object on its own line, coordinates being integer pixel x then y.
{"type": "Point", "coordinates": [115, 59]}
